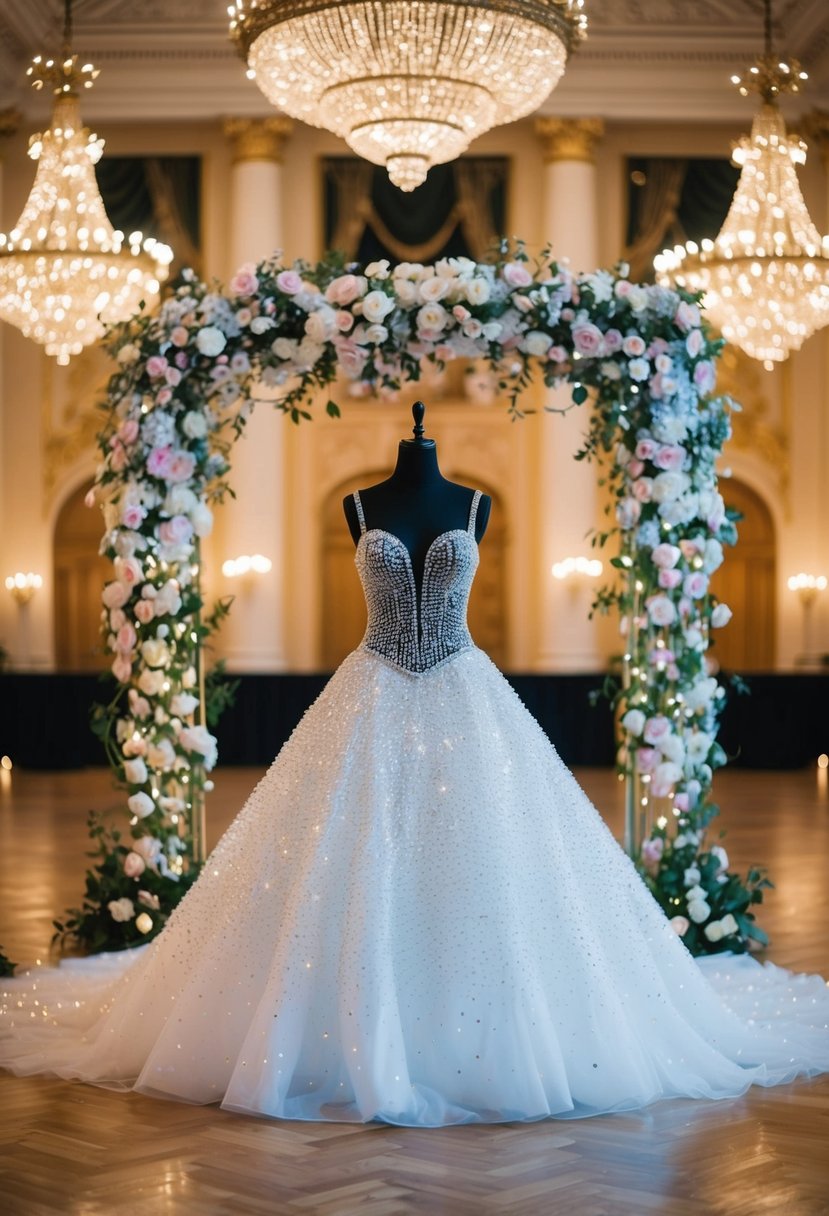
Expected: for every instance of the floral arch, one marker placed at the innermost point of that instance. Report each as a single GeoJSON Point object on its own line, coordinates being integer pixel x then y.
{"type": "Point", "coordinates": [185, 384]}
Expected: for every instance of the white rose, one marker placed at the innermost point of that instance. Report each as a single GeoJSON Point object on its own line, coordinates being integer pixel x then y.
{"type": "Point", "coordinates": [188, 679]}
{"type": "Point", "coordinates": [183, 704]}
{"type": "Point", "coordinates": [376, 306]}
{"type": "Point", "coordinates": [699, 911]}
{"type": "Point", "coordinates": [432, 316]}
{"type": "Point", "coordinates": [698, 746]}
{"type": "Point", "coordinates": [135, 771]}
{"type": "Point", "coordinates": [477, 291]}
{"type": "Point", "coordinates": [199, 740]}
{"type": "Point", "coordinates": [161, 755]}
{"type": "Point", "coordinates": [377, 270]}
{"type": "Point", "coordinates": [668, 486]}
{"type": "Point", "coordinates": [714, 931]}
{"type": "Point", "coordinates": [376, 334]}
{"type": "Point", "coordinates": [721, 616]}
{"type": "Point", "coordinates": [729, 925]}
{"type": "Point", "coordinates": [261, 325]}
{"type": "Point", "coordinates": [128, 354]}
{"type": "Point", "coordinates": [121, 909]}
{"type": "Point", "coordinates": [691, 876]}
{"type": "Point", "coordinates": [284, 348]}
{"type": "Point", "coordinates": [321, 325]}
{"type": "Point", "coordinates": [712, 557]}
{"type": "Point", "coordinates": [634, 721]}
{"type": "Point", "coordinates": [180, 500]}
{"type": "Point", "coordinates": [698, 696]}
{"type": "Point", "coordinates": [673, 748]}
{"type": "Point", "coordinates": [667, 773]}
{"type": "Point", "coordinates": [141, 804]}
{"type": "Point", "coordinates": [155, 652]}
{"type": "Point", "coordinates": [536, 343]}
{"type": "Point", "coordinates": [151, 682]}
{"type": "Point", "coordinates": [194, 425]}
{"type": "Point", "coordinates": [406, 292]}
{"type": "Point", "coordinates": [637, 298]}
{"type": "Point", "coordinates": [429, 291]}
{"type": "Point", "coordinates": [201, 517]}
{"type": "Point", "coordinates": [210, 341]}
{"type": "Point", "coordinates": [167, 600]}
{"type": "Point", "coordinates": [143, 923]}
{"type": "Point", "coordinates": [722, 857]}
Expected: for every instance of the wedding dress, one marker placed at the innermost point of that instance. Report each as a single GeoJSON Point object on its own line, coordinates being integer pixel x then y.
{"type": "Point", "coordinates": [418, 917]}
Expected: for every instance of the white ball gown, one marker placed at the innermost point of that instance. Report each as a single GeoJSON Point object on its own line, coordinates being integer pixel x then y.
{"type": "Point", "coordinates": [418, 917]}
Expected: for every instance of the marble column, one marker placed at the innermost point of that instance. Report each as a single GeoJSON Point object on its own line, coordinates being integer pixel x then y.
{"type": "Point", "coordinates": [256, 521]}
{"type": "Point", "coordinates": [567, 505]}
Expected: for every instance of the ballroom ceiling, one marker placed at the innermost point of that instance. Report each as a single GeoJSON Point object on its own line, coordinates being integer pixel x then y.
{"type": "Point", "coordinates": [644, 59]}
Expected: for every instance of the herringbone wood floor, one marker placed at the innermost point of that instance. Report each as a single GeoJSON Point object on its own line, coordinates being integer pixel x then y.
{"type": "Point", "coordinates": [72, 1149]}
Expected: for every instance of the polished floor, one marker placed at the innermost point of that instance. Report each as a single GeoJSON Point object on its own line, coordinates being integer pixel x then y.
{"type": "Point", "coordinates": [67, 1148]}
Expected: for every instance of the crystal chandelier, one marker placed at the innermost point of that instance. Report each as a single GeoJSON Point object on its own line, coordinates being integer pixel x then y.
{"type": "Point", "coordinates": [407, 83]}
{"type": "Point", "coordinates": [766, 276]}
{"type": "Point", "coordinates": [64, 272]}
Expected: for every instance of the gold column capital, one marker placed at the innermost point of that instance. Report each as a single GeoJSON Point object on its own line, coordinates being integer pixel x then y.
{"type": "Point", "coordinates": [569, 138]}
{"type": "Point", "coordinates": [258, 138]}
{"type": "Point", "coordinates": [815, 126]}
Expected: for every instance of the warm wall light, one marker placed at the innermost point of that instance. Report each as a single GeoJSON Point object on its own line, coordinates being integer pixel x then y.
{"type": "Point", "coordinates": [807, 587]}
{"type": "Point", "coordinates": [589, 567]}
{"type": "Point", "coordinates": [23, 586]}
{"type": "Point", "coordinates": [234, 567]}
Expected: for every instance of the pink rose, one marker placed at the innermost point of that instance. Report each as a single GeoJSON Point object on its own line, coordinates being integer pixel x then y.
{"type": "Point", "coordinates": [117, 618]}
{"type": "Point", "coordinates": [158, 462]}
{"type": "Point", "coordinates": [695, 585]}
{"type": "Point", "coordinates": [633, 346]}
{"type": "Point", "coordinates": [643, 489]}
{"type": "Point", "coordinates": [179, 336]}
{"type": "Point", "coordinates": [657, 347]}
{"type": "Point", "coordinates": [516, 274]}
{"type": "Point", "coordinates": [289, 282]}
{"type": "Point", "coordinates": [126, 639]}
{"type": "Point", "coordinates": [686, 316]}
{"type": "Point", "coordinates": [681, 802]}
{"type": "Point", "coordinates": [182, 466]}
{"type": "Point", "coordinates": [693, 343]}
{"type": "Point", "coordinates": [176, 531]}
{"type": "Point", "coordinates": [164, 396]}
{"type": "Point", "coordinates": [156, 366]}
{"type": "Point", "coordinates": [661, 610]}
{"type": "Point", "coordinates": [122, 668]}
{"type": "Point", "coordinates": [636, 468]}
{"type": "Point", "coordinates": [646, 449]}
{"type": "Point", "coordinates": [612, 341]}
{"type": "Point", "coordinates": [145, 611]}
{"type": "Point", "coordinates": [344, 321]}
{"type": "Point", "coordinates": [557, 354]}
{"type": "Point", "coordinates": [679, 924]}
{"type": "Point", "coordinates": [115, 595]}
{"type": "Point", "coordinates": [705, 377]}
{"type": "Point", "coordinates": [669, 579]}
{"type": "Point", "coordinates": [132, 515]}
{"type": "Point", "coordinates": [129, 571]}
{"type": "Point", "coordinates": [351, 357]}
{"type": "Point", "coordinates": [180, 359]}
{"type": "Point", "coordinates": [652, 851]}
{"type": "Point", "coordinates": [670, 457]}
{"type": "Point", "coordinates": [344, 289]}
{"type": "Point", "coordinates": [172, 376]}
{"type": "Point", "coordinates": [628, 511]}
{"type": "Point", "coordinates": [118, 456]}
{"type": "Point", "coordinates": [690, 548]}
{"type": "Point", "coordinates": [244, 282]}
{"type": "Point", "coordinates": [128, 431]}
{"type": "Point", "coordinates": [89, 498]}
{"type": "Point", "coordinates": [657, 729]}
{"type": "Point", "coordinates": [647, 759]}
{"type": "Point", "coordinates": [665, 556]}
{"type": "Point", "coordinates": [134, 865]}
{"type": "Point", "coordinates": [460, 313]}
{"type": "Point", "coordinates": [587, 338]}
{"type": "Point", "coordinates": [139, 706]}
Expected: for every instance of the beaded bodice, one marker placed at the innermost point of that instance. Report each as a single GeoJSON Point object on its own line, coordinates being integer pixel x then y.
{"type": "Point", "coordinates": [417, 633]}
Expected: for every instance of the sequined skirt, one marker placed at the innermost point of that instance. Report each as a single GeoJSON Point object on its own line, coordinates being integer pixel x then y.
{"type": "Point", "coordinates": [418, 917]}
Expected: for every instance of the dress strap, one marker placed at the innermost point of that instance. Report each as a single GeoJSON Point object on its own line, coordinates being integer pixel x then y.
{"type": "Point", "coordinates": [473, 512]}
{"type": "Point", "coordinates": [360, 515]}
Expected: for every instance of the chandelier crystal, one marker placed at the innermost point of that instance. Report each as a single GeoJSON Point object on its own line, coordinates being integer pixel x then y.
{"type": "Point", "coordinates": [765, 277]}
{"type": "Point", "coordinates": [64, 272]}
{"type": "Point", "coordinates": [407, 83]}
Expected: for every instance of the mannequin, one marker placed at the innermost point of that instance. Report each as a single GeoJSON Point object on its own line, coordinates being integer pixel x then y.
{"type": "Point", "coordinates": [417, 503]}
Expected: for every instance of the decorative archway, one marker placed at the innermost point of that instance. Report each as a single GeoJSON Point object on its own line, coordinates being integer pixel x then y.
{"type": "Point", "coordinates": [184, 387]}
{"type": "Point", "coordinates": [78, 573]}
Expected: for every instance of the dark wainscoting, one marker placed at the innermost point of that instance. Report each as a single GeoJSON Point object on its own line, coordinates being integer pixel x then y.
{"type": "Point", "coordinates": [44, 719]}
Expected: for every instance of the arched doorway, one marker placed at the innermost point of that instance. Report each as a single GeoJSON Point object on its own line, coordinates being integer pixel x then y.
{"type": "Point", "coordinates": [746, 581]}
{"type": "Point", "coordinates": [79, 574]}
{"type": "Point", "coordinates": [343, 609]}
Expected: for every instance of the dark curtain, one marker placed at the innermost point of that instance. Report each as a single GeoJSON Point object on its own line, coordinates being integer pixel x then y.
{"type": "Point", "coordinates": [159, 196]}
{"type": "Point", "coordinates": [457, 212]}
{"type": "Point", "coordinates": [672, 200]}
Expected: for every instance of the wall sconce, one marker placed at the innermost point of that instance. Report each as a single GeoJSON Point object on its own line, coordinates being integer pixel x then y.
{"type": "Point", "coordinates": [23, 586]}
{"type": "Point", "coordinates": [585, 567]}
{"type": "Point", "coordinates": [235, 567]}
{"type": "Point", "coordinates": [807, 587]}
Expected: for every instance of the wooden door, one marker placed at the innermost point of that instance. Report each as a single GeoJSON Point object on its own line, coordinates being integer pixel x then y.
{"type": "Point", "coordinates": [79, 575]}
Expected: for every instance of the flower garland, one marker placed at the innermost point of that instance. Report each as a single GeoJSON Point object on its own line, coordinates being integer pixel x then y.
{"type": "Point", "coordinates": [183, 389]}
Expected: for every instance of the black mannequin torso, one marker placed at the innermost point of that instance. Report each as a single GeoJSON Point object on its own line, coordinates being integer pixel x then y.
{"type": "Point", "coordinates": [417, 503]}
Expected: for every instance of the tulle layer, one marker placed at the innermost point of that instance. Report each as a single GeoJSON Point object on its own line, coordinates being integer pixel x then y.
{"type": "Point", "coordinates": [418, 917]}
